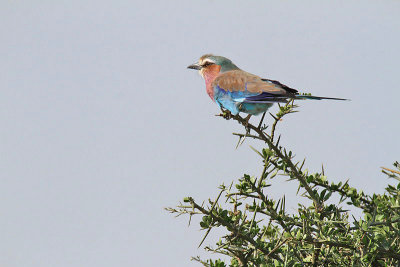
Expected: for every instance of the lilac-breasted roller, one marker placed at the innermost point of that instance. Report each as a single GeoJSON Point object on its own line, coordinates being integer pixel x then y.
{"type": "Point", "coordinates": [239, 91]}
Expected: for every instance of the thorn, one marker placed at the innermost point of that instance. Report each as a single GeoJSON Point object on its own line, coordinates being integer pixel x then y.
{"type": "Point", "coordinates": [275, 118]}
{"type": "Point", "coordinates": [302, 164]}
{"type": "Point", "coordinates": [240, 143]}
{"type": "Point", "coordinates": [262, 118]}
{"type": "Point", "coordinates": [277, 142]}
{"type": "Point", "coordinates": [204, 238]}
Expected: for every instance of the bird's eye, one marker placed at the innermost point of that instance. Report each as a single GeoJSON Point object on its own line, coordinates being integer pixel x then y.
{"type": "Point", "coordinates": [206, 64]}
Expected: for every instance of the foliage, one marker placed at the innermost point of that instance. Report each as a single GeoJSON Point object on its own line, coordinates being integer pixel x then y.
{"type": "Point", "coordinates": [262, 233]}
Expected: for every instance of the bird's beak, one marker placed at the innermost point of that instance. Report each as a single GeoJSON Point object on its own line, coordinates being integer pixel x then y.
{"type": "Point", "coordinates": [194, 66]}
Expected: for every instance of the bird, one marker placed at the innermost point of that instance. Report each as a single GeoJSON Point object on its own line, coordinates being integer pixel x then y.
{"type": "Point", "coordinates": [238, 91]}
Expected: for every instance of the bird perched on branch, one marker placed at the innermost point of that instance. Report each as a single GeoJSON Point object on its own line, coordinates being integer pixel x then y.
{"type": "Point", "coordinates": [239, 91]}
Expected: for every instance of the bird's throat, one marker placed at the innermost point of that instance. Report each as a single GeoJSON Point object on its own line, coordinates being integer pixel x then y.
{"type": "Point", "coordinates": [209, 75]}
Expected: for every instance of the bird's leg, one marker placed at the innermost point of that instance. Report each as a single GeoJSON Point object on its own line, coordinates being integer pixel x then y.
{"type": "Point", "coordinates": [261, 121]}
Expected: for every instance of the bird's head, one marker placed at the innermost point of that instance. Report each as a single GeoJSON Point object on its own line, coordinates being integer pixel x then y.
{"type": "Point", "coordinates": [210, 63]}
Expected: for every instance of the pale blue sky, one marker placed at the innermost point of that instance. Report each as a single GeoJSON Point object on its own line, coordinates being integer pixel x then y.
{"type": "Point", "coordinates": [103, 125]}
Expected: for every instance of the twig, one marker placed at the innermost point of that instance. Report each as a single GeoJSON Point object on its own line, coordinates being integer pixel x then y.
{"type": "Point", "coordinates": [394, 171]}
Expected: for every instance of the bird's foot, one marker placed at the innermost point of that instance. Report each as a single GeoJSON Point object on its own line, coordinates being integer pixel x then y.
{"type": "Point", "coordinates": [226, 114]}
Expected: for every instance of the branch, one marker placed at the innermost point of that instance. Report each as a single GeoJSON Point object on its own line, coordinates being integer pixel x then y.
{"type": "Point", "coordinates": [233, 229]}
{"type": "Point", "coordinates": [286, 159]}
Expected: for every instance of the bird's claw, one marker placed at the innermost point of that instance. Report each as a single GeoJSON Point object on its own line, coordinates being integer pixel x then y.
{"type": "Point", "coordinates": [226, 114]}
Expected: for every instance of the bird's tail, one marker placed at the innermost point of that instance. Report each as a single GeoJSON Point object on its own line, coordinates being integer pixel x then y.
{"type": "Point", "coordinates": [303, 97]}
